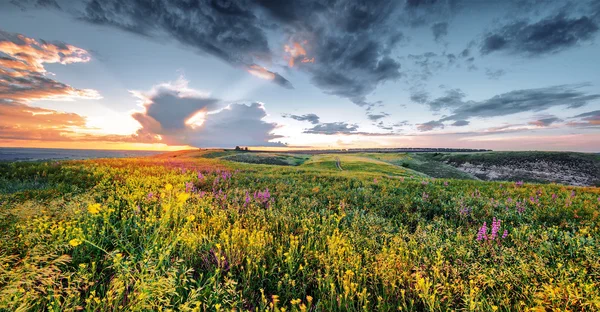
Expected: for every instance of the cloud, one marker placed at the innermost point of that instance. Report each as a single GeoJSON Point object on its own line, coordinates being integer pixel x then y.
{"type": "Point", "coordinates": [175, 114]}
{"type": "Point", "coordinates": [430, 125]}
{"type": "Point", "coordinates": [461, 123]}
{"type": "Point", "coordinates": [589, 119]}
{"type": "Point", "coordinates": [333, 128]}
{"type": "Point", "coordinates": [312, 118]}
{"type": "Point", "coordinates": [453, 98]}
{"type": "Point", "coordinates": [263, 73]}
{"type": "Point", "coordinates": [22, 72]}
{"type": "Point", "coordinates": [343, 128]}
{"type": "Point", "coordinates": [517, 101]}
{"type": "Point", "coordinates": [19, 121]}
{"type": "Point", "coordinates": [545, 122]}
{"type": "Point", "coordinates": [345, 45]}
{"type": "Point", "coordinates": [549, 35]}
{"type": "Point", "coordinates": [376, 117]}
{"type": "Point", "coordinates": [494, 74]}
{"type": "Point", "coordinates": [23, 80]}
{"type": "Point", "coordinates": [439, 30]}
{"type": "Point", "coordinates": [513, 102]}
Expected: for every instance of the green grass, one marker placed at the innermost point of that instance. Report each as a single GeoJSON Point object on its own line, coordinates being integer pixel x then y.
{"type": "Point", "coordinates": [359, 163]}
{"type": "Point", "coordinates": [152, 234]}
{"type": "Point", "coordinates": [268, 158]}
{"type": "Point", "coordinates": [423, 164]}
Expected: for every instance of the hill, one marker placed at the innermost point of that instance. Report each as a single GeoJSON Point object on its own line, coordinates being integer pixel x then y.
{"type": "Point", "coordinates": [196, 231]}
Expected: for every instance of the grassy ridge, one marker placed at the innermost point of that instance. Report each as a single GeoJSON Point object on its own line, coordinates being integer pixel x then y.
{"type": "Point", "coordinates": [203, 234]}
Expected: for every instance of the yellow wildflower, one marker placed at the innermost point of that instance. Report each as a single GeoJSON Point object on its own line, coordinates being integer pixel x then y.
{"type": "Point", "coordinates": [94, 208]}
{"type": "Point", "coordinates": [168, 187]}
{"type": "Point", "coordinates": [191, 218]}
{"type": "Point", "coordinates": [75, 242]}
{"type": "Point", "coordinates": [183, 197]}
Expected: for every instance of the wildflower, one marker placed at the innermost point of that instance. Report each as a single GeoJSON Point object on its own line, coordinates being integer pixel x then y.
{"type": "Point", "coordinates": [168, 187]}
{"type": "Point", "coordinates": [191, 218]}
{"type": "Point", "coordinates": [375, 180]}
{"type": "Point", "coordinates": [75, 242]}
{"type": "Point", "coordinates": [465, 210]}
{"type": "Point", "coordinates": [189, 187]}
{"type": "Point", "coordinates": [573, 193]}
{"type": "Point", "coordinates": [182, 197]}
{"type": "Point", "coordinates": [445, 183]}
{"type": "Point", "coordinates": [495, 228]}
{"type": "Point", "coordinates": [554, 197]}
{"type": "Point", "coordinates": [150, 195]}
{"type": "Point", "coordinates": [519, 183]}
{"type": "Point", "coordinates": [94, 208]}
{"type": "Point", "coordinates": [505, 234]}
{"type": "Point", "coordinates": [247, 200]}
{"type": "Point", "coordinates": [200, 176]}
{"type": "Point", "coordinates": [482, 234]}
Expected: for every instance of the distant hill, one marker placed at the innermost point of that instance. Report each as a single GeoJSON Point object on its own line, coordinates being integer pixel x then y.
{"type": "Point", "coordinates": [543, 167]}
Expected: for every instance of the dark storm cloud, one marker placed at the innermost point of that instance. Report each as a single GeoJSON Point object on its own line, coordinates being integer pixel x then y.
{"type": "Point", "coordinates": [348, 48]}
{"type": "Point", "coordinates": [24, 4]}
{"type": "Point", "coordinates": [226, 29]}
{"type": "Point", "coordinates": [527, 100]}
{"type": "Point", "coordinates": [549, 35]}
{"type": "Point", "coordinates": [312, 118]}
{"type": "Point", "coordinates": [439, 30]}
{"type": "Point", "coordinates": [517, 101]}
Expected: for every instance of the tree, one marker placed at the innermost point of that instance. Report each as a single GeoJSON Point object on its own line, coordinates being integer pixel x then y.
{"type": "Point", "coordinates": [237, 148]}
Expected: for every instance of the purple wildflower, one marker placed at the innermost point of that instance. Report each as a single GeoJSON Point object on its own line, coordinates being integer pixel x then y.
{"type": "Point", "coordinates": [573, 193]}
{"type": "Point", "coordinates": [495, 228]}
{"type": "Point", "coordinates": [465, 211]}
{"type": "Point", "coordinates": [505, 234]}
{"type": "Point", "coordinates": [375, 180]}
{"type": "Point", "coordinates": [150, 195]}
{"type": "Point", "coordinates": [554, 196]}
{"type": "Point", "coordinates": [445, 183]}
{"type": "Point", "coordinates": [482, 234]}
{"type": "Point", "coordinates": [520, 207]}
{"type": "Point", "coordinates": [200, 176]}
{"type": "Point", "coordinates": [519, 183]}
{"type": "Point", "coordinates": [189, 187]}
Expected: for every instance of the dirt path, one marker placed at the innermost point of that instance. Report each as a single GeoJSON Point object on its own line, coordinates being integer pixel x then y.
{"type": "Point", "coordinates": [338, 163]}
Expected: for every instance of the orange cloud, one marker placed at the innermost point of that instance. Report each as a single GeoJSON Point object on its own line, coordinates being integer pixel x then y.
{"type": "Point", "coordinates": [297, 51]}
{"type": "Point", "coordinates": [22, 72]}
{"type": "Point", "coordinates": [260, 72]}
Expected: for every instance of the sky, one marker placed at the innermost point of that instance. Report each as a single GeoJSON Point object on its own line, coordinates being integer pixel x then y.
{"type": "Point", "coordinates": [175, 74]}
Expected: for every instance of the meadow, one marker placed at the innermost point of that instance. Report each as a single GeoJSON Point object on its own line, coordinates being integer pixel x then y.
{"type": "Point", "coordinates": [185, 232]}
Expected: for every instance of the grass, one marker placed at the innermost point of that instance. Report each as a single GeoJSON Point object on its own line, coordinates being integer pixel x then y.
{"type": "Point", "coordinates": [359, 163]}
{"type": "Point", "coordinates": [268, 158]}
{"type": "Point", "coordinates": [423, 164]}
{"type": "Point", "coordinates": [203, 234]}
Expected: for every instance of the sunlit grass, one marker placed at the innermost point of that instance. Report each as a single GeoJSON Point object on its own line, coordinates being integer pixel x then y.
{"type": "Point", "coordinates": [203, 234]}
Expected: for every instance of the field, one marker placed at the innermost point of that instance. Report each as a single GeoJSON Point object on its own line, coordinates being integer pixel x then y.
{"type": "Point", "coordinates": [195, 231]}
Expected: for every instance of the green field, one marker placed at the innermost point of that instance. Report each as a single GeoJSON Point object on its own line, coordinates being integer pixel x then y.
{"type": "Point", "coordinates": [200, 231]}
